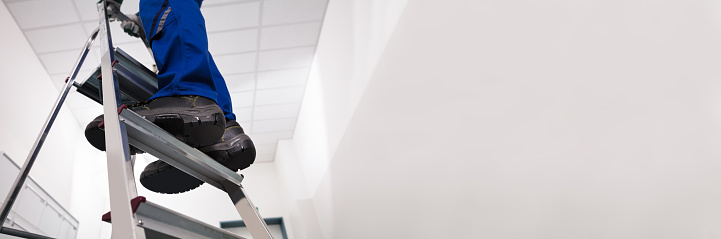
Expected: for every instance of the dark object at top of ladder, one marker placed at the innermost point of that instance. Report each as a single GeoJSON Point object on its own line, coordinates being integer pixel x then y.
{"type": "Point", "coordinates": [137, 83]}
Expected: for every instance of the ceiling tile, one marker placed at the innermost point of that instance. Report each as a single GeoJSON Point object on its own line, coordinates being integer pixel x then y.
{"type": "Point", "coordinates": [82, 75]}
{"type": "Point", "coordinates": [247, 126]}
{"type": "Point", "coordinates": [119, 35]}
{"type": "Point", "coordinates": [265, 149]}
{"type": "Point", "coordinates": [287, 58]}
{"type": "Point", "coordinates": [130, 6]}
{"type": "Point", "coordinates": [285, 36]}
{"type": "Point", "coordinates": [90, 27]}
{"type": "Point", "coordinates": [233, 41]}
{"type": "Point", "coordinates": [235, 63]}
{"type": "Point", "coordinates": [231, 16]}
{"type": "Point", "coordinates": [276, 111]}
{"type": "Point", "coordinates": [58, 80]}
{"type": "Point", "coordinates": [274, 125]}
{"type": "Point", "coordinates": [264, 158]}
{"type": "Point", "coordinates": [223, 2]}
{"type": "Point", "coordinates": [139, 52]}
{"type": "Point", "coordinates": [279, 96]}
{"type": "Point", "coordinates": [242, 99]}
{"type": "Point", "coordinates": [60, 38]}
{"type": "Point", "coordinates": [271, 138]}
{"type": "Point", "coordinates": [291, 11]}
{"type": "Point", "coordinates": [243, 114]}
{"type": "Point", "coordinates": [240, 82]}
{"type": "Point", "coordinates": [87, 114]}
{"type": "Point", "coordinates": [62, 62]}
{"type": "Point", "coordinates": [88, 10]}
{"type": "Point", "coordinates": [75, 100]}
{"type": "Point", "coordinates": [43, 13]}
{"type": "Point", "coordinates": [283, 78]}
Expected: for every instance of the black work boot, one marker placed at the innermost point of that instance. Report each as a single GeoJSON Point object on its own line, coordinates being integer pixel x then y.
{"type": "Point", "coordinates": [160, 177]}
{"type": "Point", "coordinates": [195, 120]}
{"type": "Point", "coordinates": [234, 151]}
{"type": "Point", "coordinates": [96, 136]}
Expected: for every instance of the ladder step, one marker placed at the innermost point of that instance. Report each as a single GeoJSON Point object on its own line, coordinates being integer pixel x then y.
{"type": "Point", "coordinates": [136, 82]}
{"type": "Point", "coordinates": [160, 222]}
{"type": "Point", "coordinates": [156, 141]}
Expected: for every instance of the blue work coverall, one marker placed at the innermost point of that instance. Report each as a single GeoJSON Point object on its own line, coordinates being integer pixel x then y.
{"type": "Point", "coordinates": [176, 32]}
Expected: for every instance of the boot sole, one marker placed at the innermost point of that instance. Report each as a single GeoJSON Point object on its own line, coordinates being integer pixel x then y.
{"type": "Point", "coordinates": [168, 180]}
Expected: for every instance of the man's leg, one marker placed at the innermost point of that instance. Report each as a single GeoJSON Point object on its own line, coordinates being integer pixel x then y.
{"type": "Point", "coordinates": [180, 45]}
{"type": "Point", "coordinates": [222, 90]}
{"type": "Point", "coordinates": [176, 29]}
{"type": "Point", "coordinates": [176, 32]}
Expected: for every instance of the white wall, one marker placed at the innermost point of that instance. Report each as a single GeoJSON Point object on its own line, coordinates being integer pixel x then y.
{"type": "Point", "coordinates": [352, 40]}
{"type": "Point", "coordinates": [522, 119]}
{"type": "Point", "coordinates": [27, 97]}
{"type": "Point", "coordinates": [353, 36]}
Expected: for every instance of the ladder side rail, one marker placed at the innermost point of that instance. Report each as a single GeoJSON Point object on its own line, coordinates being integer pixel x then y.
{"type": "Point", "coordinates": [35, 150]}
{"type": "Point", "coordinates": [21, 233]}
{"type": "Point", "coordinates": [120, 163]}
{"type": "Point", "coordinates": [251, 217]}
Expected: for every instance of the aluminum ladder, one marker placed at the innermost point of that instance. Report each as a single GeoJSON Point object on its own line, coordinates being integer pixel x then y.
{"type": "Point", "coordinates": [132, 216]}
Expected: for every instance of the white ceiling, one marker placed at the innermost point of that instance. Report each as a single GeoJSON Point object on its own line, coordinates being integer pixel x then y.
{"type": "Point", "coordinates": [264, 48]}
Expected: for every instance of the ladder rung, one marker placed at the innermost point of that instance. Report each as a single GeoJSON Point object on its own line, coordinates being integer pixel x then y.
{"type": "Point", "coordinates": [156, 141]}
{"type": "Point", "coordinates": [161, 222]}
{"type": "Point", "coordinates": [166, 221]}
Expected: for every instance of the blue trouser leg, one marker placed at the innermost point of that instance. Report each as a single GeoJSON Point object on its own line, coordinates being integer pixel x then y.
{"type": "Point", "coordinates": [176, 31]}
{"type": "Point", "coordinates": [221, 88]}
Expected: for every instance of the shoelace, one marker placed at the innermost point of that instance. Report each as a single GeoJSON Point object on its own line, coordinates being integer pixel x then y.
{"type": "Point", "coordinates": [139, 104]}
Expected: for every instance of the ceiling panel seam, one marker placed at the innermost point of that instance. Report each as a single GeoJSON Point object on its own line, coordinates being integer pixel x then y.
{"type": "Point", "coordinates": [77, 11]}
{"type": "Point", "coordinates": [266, 26]}
{"type": "Point", "coordinates": [279, 118]}
{"type": "Point", "coordinates": [212, 4]}
{"type": "Point", "coordinates": [283, 69]}
{"type": "Point", "coordinates": [266, 50]}
{"type": "Point", "coordinates": [292, 23]}
{"type": "Point", "coordinates": [257, 55]}
{"type": "Point", "coordinates": [14, 1]}
{"type": "Point", "coordinates": [280, 88]}
{"type": "Point", "coordinates": [275, 104]}
{"type": "Point", "coordinates": [52, 26]}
